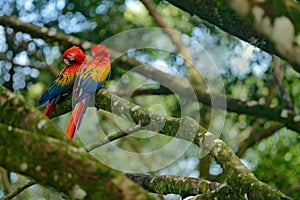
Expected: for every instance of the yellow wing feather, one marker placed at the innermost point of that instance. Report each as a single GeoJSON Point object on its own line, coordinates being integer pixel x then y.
{"type": "Point", "coordinates": [97, 73]}
{"type": "Point", "coordinates": [65, 79]}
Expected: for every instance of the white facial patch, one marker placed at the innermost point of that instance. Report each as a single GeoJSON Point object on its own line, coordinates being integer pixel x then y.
{"type": "Point", "coordinates": [71, 56]}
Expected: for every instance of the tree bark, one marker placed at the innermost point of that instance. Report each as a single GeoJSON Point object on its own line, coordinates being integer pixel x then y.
{"type": "Point", "coordinates": [63, 166]}
{"type": "Point", "coordinates": [15, 112]}
{"type": "Point", "coordinates": [183, 186]}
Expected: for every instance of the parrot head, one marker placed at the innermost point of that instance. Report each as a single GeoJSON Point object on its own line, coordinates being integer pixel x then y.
{"type": "Point", "coordinates": [73, 55]}
{"type": "Point", "coordinates": [100, 50]}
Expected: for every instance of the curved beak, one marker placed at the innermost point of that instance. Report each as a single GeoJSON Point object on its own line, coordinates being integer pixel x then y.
{"type": "Point", "coordinates": [66, 61]}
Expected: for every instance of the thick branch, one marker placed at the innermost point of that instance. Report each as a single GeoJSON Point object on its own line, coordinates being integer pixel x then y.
{"type": "Point", "coordinates": [43, 32]}
{"type": "Point", "coordinates": [56, 163]}
{"type": "Point", "coordinates": [15, 112]}
{"type": "Point", "coordinates": [271, 26]}
{"type": "Point", "coordinates": [62, 166]}
{"type": "Point", "coordinates": [240, 179]}
{"type": "Point", "coordinates": [36, 156]}
{"type": "Point", "coordinates": [183, 186]}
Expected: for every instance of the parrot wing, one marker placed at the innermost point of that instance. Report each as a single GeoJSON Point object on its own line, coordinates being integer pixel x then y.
{"type": "Point", "coordinates": [63, 83]}
{"type": "Point", "coordinates": [92, 77]}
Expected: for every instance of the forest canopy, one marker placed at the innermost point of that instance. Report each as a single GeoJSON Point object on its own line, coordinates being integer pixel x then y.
{"type": "Point", "coordinates": [202, 100]}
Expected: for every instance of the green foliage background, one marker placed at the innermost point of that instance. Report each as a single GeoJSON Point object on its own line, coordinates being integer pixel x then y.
{"type": "Point", "coordinates": [247, 74]}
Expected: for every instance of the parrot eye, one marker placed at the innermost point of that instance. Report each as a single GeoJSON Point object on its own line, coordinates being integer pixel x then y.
{"type": "Point", "coordinates": [71, 56]}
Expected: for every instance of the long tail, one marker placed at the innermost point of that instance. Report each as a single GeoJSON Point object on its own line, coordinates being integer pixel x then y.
{"type": "Point", "coordinates": [50, 107]}
{"type": "Point", "coordinates": [76, 117]}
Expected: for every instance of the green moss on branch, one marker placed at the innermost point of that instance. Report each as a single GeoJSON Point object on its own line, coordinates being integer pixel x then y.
{"type": "Point", "coordinates": [62, 166]}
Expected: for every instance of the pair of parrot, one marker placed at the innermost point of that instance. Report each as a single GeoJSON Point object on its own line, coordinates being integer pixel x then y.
{"type": "Point", "coordinates": [81, 77]}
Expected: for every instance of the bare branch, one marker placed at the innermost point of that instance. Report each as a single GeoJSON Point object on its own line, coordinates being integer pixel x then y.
{"type": "Point", "coordinates": [177, 40]}
{"type": "Point", "coordinates": [19, 190]}
{"type": "Point", "coordinates": [45, 33]}
{"type": "Point", "coordinates": [256, 136]}
{"type": "Point", "coordinates": [5, 179]}
{"type": "Point", "coordinates": [113, 137]}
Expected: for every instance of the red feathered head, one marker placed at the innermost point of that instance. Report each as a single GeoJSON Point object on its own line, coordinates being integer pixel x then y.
{"type": "Point", "coordinates": [73, 54]}
{"type": "Point", "coordinates": [100, 50]}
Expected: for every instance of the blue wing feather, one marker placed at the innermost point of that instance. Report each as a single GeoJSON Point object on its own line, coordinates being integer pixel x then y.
{"type": "Point", "coordinates": [53, 91]}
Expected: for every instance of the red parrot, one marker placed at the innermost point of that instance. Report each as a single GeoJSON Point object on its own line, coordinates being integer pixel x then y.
{"type": "Point", "coordinates": [63, 85]}
{"type": "Point", "coordinates": [91, 77]}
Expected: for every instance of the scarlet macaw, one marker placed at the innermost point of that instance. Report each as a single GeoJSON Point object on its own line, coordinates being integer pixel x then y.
{"type": "Point", "coordinates": [91, 77]}
{"type": "Point", "coordinates": [73, 58]}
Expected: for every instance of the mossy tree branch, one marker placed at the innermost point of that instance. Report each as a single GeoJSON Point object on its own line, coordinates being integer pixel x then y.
{"type": "Point", "coordinates": [62, 166]}
{"type": "Point", "coordinates": [16, 113]}
{"type": "Point", "coordinates": [183, 186]}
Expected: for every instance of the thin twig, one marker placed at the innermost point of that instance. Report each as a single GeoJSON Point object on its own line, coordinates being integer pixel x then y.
{"type": "Point", "coordinates": [113, 137]}
{"type": "Point", "coordinates": [47, 68]}
{"type": "Point", "coordinates": [256, 136]}
{"type": "Point", "coordinates": [19, 190]}
{"type": "Point", "coordinates": [256, 132]}
{"type": "Point", "coordinates": [177, 41]}
{"type": "Point", "coordinates": [131, 141]}
{"type": "Point", "coordinates": [5, 179]}
{"type": "Point", "coordinates": [278, 76]}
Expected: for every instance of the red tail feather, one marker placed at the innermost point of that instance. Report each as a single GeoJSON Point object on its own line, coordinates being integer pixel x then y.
{"type": "Point", "coordinates": [76, 117]}
{"type": "Point", "coordinates": [70, 131]}
{"type": "Point", "coordinates": [50, 107]}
